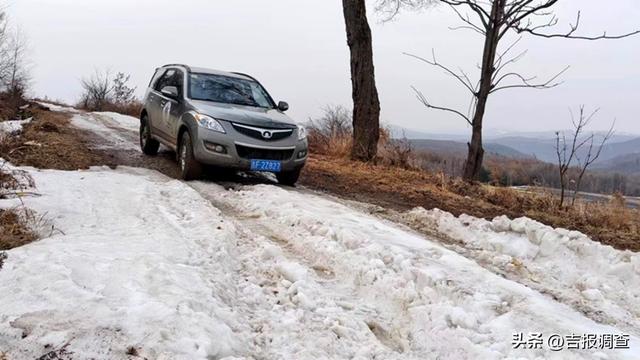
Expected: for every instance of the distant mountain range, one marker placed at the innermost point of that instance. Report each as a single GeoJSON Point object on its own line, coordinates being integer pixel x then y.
{"type": "Point", "coordinates": [459, 148]}
{"type": "Point", "coordinates": [621, 154]}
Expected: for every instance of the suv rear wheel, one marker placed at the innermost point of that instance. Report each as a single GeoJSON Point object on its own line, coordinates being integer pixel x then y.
{"type": "Point", "coordinates": [288, 178]}
{"type": "Point", "coordinates": [190, 168]}
{"type": "Point", "coordinates": [148, 144]}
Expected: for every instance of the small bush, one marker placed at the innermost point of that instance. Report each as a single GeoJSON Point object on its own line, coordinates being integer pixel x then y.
{"type": "Point", "coordinates": [101, 92]}
{"type": "Point", "coordinates": [332, 135]}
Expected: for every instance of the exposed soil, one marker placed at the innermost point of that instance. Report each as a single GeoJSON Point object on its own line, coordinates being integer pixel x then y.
{"type": "Point", "coordinates": [390, 187]}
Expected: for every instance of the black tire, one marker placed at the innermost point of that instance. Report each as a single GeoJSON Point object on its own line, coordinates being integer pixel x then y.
{"type": "Point", "coordinates": [289, 178]}
{"type": "Point", "coordinates": [148, 144]}
{"type": "Point", "coordinates": [190, 168]}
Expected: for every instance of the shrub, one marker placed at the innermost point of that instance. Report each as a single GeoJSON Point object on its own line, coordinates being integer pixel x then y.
{"type": "Point", "coordinates": [101, 92]}
{"type": "Point", "coordinates": [332, 135]}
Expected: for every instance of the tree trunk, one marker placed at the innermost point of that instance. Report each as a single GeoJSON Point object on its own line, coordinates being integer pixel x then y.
{"type": "Point", "coordinates": [475, 156]}
{"type": "Point", "coordinates": [366, 105]}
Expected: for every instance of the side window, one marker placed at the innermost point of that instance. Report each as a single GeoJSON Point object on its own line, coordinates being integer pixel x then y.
{"type": "Point", "coordinates": [176, 79]}
{"type": "Point", "coordinates": [164, 79]}
{"type": "Point", "coordinates": [172, 77]}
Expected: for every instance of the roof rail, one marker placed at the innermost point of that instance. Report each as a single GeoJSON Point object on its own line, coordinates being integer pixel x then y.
{"type": "Point", "coordinates": [183, 65]}
{"type": "Point", "coordinates": [247, 75]}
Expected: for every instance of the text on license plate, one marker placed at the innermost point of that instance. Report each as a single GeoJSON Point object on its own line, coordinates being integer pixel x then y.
{"type": "Point", "coordinates": [266, 165]}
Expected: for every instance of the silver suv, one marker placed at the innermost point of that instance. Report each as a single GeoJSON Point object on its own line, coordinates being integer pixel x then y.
{"type": "Point", "coordinates": [222, 119]}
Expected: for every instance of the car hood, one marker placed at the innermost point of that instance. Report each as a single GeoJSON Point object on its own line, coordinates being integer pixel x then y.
{"type": "Point", "coordinates": [248, 115]}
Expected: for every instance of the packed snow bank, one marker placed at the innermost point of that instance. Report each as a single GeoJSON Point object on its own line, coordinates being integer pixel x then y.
{"type": "Point", "coordinates": [401, 295]}
{"type": "Point", "coordinates": [135, 260]}
{"type": "Point", "coordinates": [597, 279]}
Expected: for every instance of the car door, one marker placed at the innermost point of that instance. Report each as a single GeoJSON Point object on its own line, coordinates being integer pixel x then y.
{"type": "Point", "coordinates": [173, 108]}
{"type": "Point", "coordinates": [157, 105]}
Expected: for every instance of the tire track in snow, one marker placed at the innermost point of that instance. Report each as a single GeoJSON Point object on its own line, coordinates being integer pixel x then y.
{"type": "Point", "coordinates": [300, 284]}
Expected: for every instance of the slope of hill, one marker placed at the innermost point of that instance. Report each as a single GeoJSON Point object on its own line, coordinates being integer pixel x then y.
{"type": "Point", "coordinates": [448, 147]}
{"type": "Point", "coordinates": [617, 151]}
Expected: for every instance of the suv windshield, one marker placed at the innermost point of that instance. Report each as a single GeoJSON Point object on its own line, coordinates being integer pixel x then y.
{"type": "Point", "coordinates": [228, 90]}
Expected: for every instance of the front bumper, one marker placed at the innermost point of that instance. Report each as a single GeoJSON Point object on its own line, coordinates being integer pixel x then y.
{"type": "Point", "coordinates": [240, 149]}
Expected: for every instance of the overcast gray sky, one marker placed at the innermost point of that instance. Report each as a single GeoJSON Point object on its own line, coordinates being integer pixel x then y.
{"type": "Point", "coordinates": [298, 51]}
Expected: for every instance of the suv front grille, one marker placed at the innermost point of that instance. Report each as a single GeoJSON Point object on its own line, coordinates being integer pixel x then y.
{"type": "Point", "coordinates": [263, 154]}
{"type": "Point", "coordinates": [263, 133]}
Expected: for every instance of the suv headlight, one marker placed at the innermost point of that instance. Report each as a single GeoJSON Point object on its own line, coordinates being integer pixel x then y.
{"type": "Point", "coordinates": [302, 132]}
{"type": "Point", "coordinates": [209, 123]}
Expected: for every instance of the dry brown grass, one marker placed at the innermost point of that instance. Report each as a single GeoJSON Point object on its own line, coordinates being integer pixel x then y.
{"type": "Point", "coordinates": [132, 108]}
{"type": "Point", "coordinates": [610, 223]}
{"type": "Point", "coordinates": [390, 151]}
{"type": "Point", "coordinates": [14, 229]}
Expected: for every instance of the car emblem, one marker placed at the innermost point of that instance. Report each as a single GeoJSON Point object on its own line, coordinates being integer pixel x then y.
{"type": "Point", "coordinates": [267, 134]}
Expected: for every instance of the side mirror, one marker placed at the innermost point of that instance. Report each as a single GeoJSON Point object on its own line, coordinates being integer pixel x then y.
{"type": "Point", "coordinates": [283, 106]}
{"type": "Point", "coordinates": [170, 92]}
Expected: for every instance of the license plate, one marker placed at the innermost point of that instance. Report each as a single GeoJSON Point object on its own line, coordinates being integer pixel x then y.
{"type": "Point", "coordinates": [266, 165]}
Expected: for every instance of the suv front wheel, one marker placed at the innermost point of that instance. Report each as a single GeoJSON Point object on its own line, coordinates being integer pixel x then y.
{"type": "Point", "coordinates": [148, 144]}
{"type": "Point", "coordinates": [288, 178]}
{"type": "Point", "coordinates": [190, 168]}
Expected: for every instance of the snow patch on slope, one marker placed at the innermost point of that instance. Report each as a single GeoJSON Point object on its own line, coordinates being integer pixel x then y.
{"type": "Point", "coordinates": [12, 127]}
{"type": "Point", "coordinates": [124, 121]}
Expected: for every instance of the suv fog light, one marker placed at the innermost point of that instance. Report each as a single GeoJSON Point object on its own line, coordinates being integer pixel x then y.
{"type": "Point", "coordinates": [302, 154]}
{"type": "Point", "coordinates": [215, 147]}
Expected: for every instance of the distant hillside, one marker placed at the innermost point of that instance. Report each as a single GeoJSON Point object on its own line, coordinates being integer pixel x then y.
{"type": "Point", "coordinates": [398, 132]}
{"type": "Point", "coordinates": [447, 147]}
{"type": "Point", "coordinates": [628, 164]}
{"type": "Point", "coordinates": [543, 149]}
{"type": "Point", "coordinates": [620, 150]}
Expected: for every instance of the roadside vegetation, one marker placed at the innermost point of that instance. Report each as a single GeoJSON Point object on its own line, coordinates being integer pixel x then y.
{"type": "Point", "coordinates": [17, 223]}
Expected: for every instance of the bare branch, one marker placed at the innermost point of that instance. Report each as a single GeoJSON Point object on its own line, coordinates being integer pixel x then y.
{"type": "Point", "coordinates": [570, 34]}
{"type": "Point", "coordinates": [526, 83]}
{"type": "Point", "coordinates": [463, 79]}
{"type": "Point", "coordinates": [426, 103]}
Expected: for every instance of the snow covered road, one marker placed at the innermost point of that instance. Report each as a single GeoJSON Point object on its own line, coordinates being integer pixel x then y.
{"type": "Point", "coordinates": [195, 270]}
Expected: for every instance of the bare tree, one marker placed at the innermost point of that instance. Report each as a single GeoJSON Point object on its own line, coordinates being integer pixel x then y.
{"type": "Point", "coordinates": [97, 91]}
{"type": "Point", "coordinates": [494, 20]}
{"type": "Point", "coordinates": [592, 154]}
{"type": "Point", "coordinates": [569, 150]}
{"type": "Point", "coordinates": [17, 77]}
{"type": "Point", "coordinates": [366, 104]}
